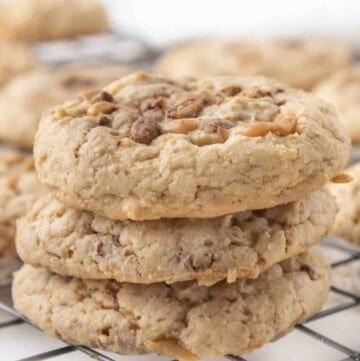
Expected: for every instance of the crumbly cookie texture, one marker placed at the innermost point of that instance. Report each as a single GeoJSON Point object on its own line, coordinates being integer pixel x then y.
{"type": "Point", "coordinates": [307, 61]}
{"type": "Point", "coordinates": [19, 189]}
{"type": "Point", "coordinates": [24, 99]}
{"type": "Point", "coordinates": [36, 20]}
{"type": "Point", "coordinates": [15, 59]}
{"type": "Point", "coordinates": [147, 147]}
{"type": "Point", "coordinates": [181, 320]}
{"type": "Point", "coordinates": [81, 244]}
{"type": "Point", "coordinates": [347, 221]}
{"type": "Point", "coordinates": [343, 90]}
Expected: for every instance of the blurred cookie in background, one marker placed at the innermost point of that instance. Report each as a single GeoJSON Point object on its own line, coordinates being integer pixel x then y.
{"type": "Point", "coordinates": [15, 58]}
{"type": "Point", "coordinates": [24, 99]}
{"type": "Point", "coordinates": [343, 90]}
{"type": "Point", "coordinates": [19, 189]}
{"type": "Point", "coordinates": [36, 20]}
{"type": "Point", "coordinates": [347, 221]}
{"type": "Point", "coordinates": [299, 63]}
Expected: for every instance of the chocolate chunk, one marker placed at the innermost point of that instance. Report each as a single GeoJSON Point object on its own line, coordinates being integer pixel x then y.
{"type": "Point", "coordinates": [102, 96]}
{"type": "Point", "coordinates": [144, 131]}
{"type": "Point", "coordinates": [104, 120]}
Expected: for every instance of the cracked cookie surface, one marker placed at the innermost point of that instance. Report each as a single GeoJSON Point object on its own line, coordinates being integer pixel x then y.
{"type": "Point", "coordinates": [307, 61]}
{"type": "Point", "coordinates": [37, 20]}
{"type": "Point", "coordinates": [82, 244]}
{"type": "Point", "coordinates": [19, 189]}
{"type": "Point", "coordinates": [347, 220]}
{"type": "Point", "coordinates": [25, 98]}
{"type": "Point", "coordinates": [343, 90]}
{"type": "Point", "coordinates": [181, 320]}
{"type": "Point", "coordinates": [147, 147]}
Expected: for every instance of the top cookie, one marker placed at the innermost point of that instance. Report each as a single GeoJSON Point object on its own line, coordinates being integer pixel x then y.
{"type": "Point", "coordinates": [34, 20]}
{"type": "Point", "coordinates": [347, 221]}
{"type": "Point", "coordinates": [148, 147]}
{"type": "Point", "coordinates": [25, 98]}
{"type": "Point", "coordinates": [15, 59]}
{"type": "Point", "coordinates": [307, 61]}
{"type": "Point", "coordinates": [343, 90]}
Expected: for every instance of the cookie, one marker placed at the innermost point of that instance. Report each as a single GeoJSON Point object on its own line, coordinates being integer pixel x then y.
{"type": "Point", "coordinates": [15, 59]}
{"type": "Point", "coordinates": [81, 244]}
{"type": "Point", "coordinates": [343, 90]}
{"type": "Point", "coordinates": [148, 147]}
{"type": "Point", "coordinates": [19, 189]}
{"type": "Point", "coordinates": [36, 20]}
{"type": "Point", "coordinates": [24, 99]}
{"type": "Point", "coordinates": [181, 320]}
{"type": "Point", "coordinates": [307, 61]}
{"type": "Point", "coordinates": [347, 221]}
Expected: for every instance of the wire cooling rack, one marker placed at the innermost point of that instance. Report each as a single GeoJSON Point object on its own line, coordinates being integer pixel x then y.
{"type": "Point", "coordinates": [348, 256]}
{"type": "Point", "coordinates": [109, 47]}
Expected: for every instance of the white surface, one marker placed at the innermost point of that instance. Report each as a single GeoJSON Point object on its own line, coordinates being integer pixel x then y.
{"type": "Point", "coordinates": [343, 327]}
{"type": "Point", "coordinates": [163, 21]}
{"type": "Point", "coordinates": [19, 341]}
{"type": "Point", "coordinates": [296, 347]}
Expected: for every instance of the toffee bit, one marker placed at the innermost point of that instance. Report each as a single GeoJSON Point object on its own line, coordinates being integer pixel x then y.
{"type": "Point", "coordinates": [144, 130]}
{"type": "Point", "coordinates": [102, 96]}
{"type": "Point", "coordinates": [342, 178]}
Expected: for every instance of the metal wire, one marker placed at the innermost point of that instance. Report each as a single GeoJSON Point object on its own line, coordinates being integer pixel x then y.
{"type": "Point", "coordinates": [353, 355]}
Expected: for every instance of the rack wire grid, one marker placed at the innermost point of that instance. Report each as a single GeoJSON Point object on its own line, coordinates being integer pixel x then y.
{"type": "Point", "coordinates": [129, 49]}
{"type": "Point", "coordinates": [350, 300]}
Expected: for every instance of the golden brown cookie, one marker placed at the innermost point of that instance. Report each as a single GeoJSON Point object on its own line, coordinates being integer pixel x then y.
{"type": "Point", "coordinates": [81, 244]}
{"type": "Point", "coordinates": [298, 63]}
{"type": "Point", "coordinates": [147, 147]}
{"type": "Point", "coordinates": [181, 320]}
{"type": "Point", "coordinates": [34, 20]}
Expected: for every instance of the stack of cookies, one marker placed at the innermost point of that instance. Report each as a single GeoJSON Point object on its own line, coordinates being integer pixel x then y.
{"type": "Point", "coordinates": [183, 215]}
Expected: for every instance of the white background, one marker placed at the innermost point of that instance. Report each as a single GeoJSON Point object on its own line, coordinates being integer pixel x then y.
{"type": "Point", "coordinates": [162, 21]}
